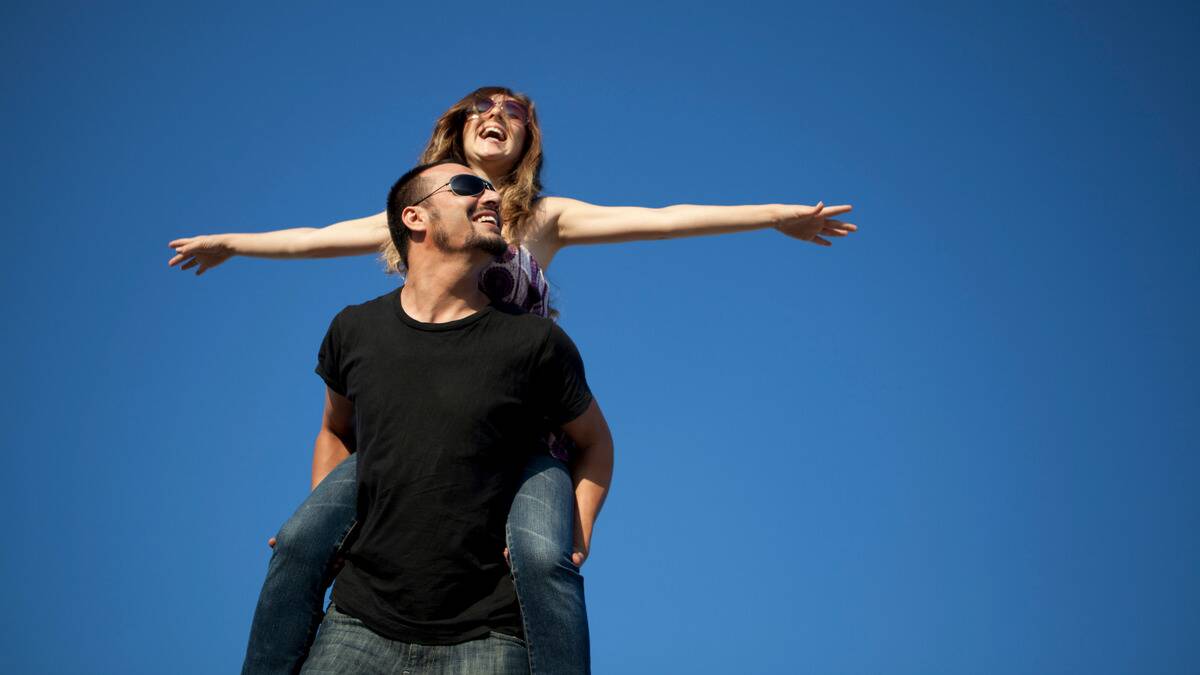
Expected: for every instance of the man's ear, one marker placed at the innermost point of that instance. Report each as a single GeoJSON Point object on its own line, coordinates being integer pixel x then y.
{"type": "Point", "coordinates": [415, 218]}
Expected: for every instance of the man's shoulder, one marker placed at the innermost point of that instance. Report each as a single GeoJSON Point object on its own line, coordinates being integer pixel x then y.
{"type": "Point", "coordinates": [536, 333]}
{"type": "Point", "coordinates": [514, 315]}
{"type": "Point", "coordinates": [531, 331]}
{"type": "Point", "coordinates": [366, 311]}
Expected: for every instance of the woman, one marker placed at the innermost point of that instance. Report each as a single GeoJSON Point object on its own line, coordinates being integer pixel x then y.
{"type": "Point", "coordinates": [495, 131]}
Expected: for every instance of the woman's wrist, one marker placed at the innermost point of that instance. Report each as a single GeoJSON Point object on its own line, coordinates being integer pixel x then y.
{"type": "Point", "coordinates": [776, 215]}
{"type": "Point", "coordinates": [226, 242]}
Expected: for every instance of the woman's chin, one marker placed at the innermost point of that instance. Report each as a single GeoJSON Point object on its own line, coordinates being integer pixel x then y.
{"type": "Point", "coordinates": [497, 156]}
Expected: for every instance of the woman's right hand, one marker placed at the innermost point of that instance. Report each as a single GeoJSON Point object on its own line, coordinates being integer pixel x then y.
{"type": "Point", "coordinates": [203, 252]}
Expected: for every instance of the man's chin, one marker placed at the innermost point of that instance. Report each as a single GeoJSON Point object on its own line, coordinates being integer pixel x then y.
{"type": "Point", "coordinates": [494, 246]}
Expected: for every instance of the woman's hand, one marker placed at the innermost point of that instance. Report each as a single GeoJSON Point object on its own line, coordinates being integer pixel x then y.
{"type": "Point", "coordinates": [814, 223]}
{"type": "Point", "coordinates": [203, 252]}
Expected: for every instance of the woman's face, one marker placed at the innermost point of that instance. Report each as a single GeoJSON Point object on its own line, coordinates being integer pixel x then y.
{"type": "Point", "coordinates": [494, 137]}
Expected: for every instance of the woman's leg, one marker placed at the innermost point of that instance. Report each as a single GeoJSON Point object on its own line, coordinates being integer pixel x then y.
{"type": "Point", "coordinates": [541, 534]}
{"type": "Point", "coordinates": [290, 604]}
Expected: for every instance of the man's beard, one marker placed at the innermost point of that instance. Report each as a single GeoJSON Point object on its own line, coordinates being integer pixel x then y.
{"type": "Point", "coordinates": [491, 244]}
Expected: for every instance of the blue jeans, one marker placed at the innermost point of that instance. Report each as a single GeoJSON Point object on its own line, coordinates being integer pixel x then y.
{"type": "Point", "coordinates": [540, 533]}
{"type": "Point", "coordinates": [345, 645]}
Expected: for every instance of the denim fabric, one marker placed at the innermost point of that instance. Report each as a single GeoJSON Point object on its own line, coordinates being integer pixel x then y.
{"type": "Point", "coordinates": [289, 605]}
{"type": "Point", "coordinates": [345, 645]}
{"type": "Point", "coordinates": [540, 536]}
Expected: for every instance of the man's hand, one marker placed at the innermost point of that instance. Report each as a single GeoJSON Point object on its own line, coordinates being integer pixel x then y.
{"type": "Point", "coordinates": [205, 251]}
{"type": "Point", "coordinates": [814, 223]}
{"type": "Point", "coordinates": [577, 557]}
{"type": "Point", "coordinates": [582, 543]}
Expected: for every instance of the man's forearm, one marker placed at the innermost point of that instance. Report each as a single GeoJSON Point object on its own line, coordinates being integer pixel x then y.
{"type": "Point", "coordinates": [591, 471]}
{"type": "Point", "coordinates": [329, 451]}
{"type": "Point", "coordinates": [592, 474]}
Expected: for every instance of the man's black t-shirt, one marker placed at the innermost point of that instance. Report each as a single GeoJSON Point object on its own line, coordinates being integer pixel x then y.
{"type": "Point", "coordinates": [446, 416]}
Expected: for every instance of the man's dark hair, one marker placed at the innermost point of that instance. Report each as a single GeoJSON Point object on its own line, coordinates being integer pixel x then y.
{"type": "Point", "coordinates": [403, 194]}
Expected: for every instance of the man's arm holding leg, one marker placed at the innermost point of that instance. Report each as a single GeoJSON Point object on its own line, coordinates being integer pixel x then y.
{"type": "Point", "coordinates": [591, 471]}
{"type": "Point", "coordinates": [335, 440]}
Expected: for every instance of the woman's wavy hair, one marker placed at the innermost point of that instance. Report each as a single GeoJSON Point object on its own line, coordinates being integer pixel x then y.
{"type": "Point", "coordinates": [519, 188]}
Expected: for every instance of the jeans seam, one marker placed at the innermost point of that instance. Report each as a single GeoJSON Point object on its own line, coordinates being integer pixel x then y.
{"type": "Point", "coordinates": [512, 566]}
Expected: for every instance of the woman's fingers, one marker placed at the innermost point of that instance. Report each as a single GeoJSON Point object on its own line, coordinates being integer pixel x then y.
{"type": "Point", "coordinates": [840, 225]}
{"type": "Point", "coordinates": [190, 264]}
{"type": "Point", "coordinates": [835, 231]}
{"type": "Point", "coordinates": [838, 210]}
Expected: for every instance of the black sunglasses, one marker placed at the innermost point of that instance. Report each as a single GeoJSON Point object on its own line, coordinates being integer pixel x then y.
{"type": "Point", "coordinates": [463, 185]}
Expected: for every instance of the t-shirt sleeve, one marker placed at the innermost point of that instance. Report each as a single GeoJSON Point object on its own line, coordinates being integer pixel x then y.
{"type": "Point", "coordinates": [330, 357]}
{"type": "Point", "coordinates": [561, 388]}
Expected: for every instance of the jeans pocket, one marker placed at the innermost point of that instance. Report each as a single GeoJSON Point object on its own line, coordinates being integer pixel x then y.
{"type": "Point", "coordinates": [333, 614]}
{"type": "Point", "coordinates": [506, 638]}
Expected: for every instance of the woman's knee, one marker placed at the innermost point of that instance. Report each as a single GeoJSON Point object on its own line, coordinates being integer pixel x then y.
{"type": "Point", "coordinates": [313, 533]}
{"type": "Point", "coordinates": [535, 554]}
{"type": "Point", "coordinates": [541, 531]}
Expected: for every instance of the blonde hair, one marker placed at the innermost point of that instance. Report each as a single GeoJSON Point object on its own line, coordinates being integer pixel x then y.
{"type": "Point", "coordinates": [519, 188]}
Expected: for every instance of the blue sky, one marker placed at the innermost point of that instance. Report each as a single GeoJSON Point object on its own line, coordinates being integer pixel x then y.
{"type": "Point", "coordinates": [962, 441]}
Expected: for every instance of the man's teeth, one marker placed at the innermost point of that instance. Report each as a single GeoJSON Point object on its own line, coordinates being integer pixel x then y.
{"type": "Point", "coordinates": [487, 219]}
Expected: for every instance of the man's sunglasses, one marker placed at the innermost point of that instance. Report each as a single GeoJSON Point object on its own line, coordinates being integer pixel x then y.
{"type": "Point", "coordinates": [510, 108]}
{"type": "Point", "coordinates": [463, 185]}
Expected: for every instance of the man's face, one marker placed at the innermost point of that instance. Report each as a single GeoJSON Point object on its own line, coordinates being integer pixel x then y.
{"type": "Point", "coordinates": [460, 222]}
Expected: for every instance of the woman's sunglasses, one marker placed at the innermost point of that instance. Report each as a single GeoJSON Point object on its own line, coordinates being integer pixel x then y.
{"type": "Point", "coordinates": [463, 185]}
{"type": "Point", "coordinates": [510, 108]}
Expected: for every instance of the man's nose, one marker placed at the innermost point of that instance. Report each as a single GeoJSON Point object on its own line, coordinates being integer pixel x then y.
{"type": "Point", "coordinates": [490, 199]}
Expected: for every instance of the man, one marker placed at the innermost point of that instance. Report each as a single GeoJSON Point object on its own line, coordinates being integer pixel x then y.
{"type": "Point", "coordinates": [445, 396]}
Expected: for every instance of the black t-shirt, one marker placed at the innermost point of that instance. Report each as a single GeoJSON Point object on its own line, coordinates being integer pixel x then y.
{"type": "Point", "coordinates": [446, 416]}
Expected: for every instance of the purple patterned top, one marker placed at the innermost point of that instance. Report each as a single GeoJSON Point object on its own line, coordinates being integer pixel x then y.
{"type": "Point", "coordinates": [516, 279]}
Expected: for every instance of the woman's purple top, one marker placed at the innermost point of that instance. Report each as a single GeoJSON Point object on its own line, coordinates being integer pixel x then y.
{"type": "Point", "coordinates": [516, 279]}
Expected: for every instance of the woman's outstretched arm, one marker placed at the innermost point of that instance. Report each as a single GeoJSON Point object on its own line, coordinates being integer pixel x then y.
{"type": "Point", "coordinates": [349, 237]}
{"type": "Point", "coordinates": [567, 222]}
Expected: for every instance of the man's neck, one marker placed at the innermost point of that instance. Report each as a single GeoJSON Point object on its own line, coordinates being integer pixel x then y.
{"type": "Point", "coordinates": [438, 288]}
